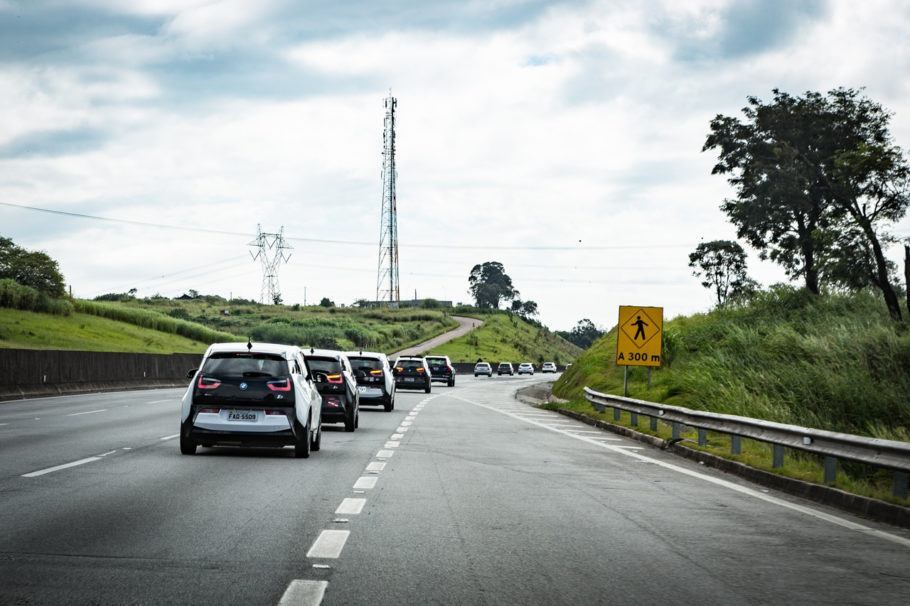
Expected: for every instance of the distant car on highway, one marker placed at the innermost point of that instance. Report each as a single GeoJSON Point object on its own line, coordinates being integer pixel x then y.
{"type": "Point", "coordinates": [412, 373]}
{"type": "Point", "coordinates": [505, 368]}
{"type": "Point", "coordinates": [525, 368]}
{"type": "Point", "coordinates": [252, 395]}
{"type": "Point", "coordinates": [331, 372]}
{"type": "Point", "coordinates": [441, 370]}
{"type": "Point", "coordinates": [374, 378]}
{"type": "Point", "coordinates": [482, 368]}
{"type": "Point", "coordinates": [548, 367]}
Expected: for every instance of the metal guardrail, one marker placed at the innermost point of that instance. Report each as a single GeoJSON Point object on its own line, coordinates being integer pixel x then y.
{"type": "Point", "coordinates": [832, 445]}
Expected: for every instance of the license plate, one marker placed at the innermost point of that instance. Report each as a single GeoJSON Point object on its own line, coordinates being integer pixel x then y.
{"type": "Point", "coordinates": [409, 379]}
{"type": "Point", "coordinates": [362, 388]}
{"type": "Point", "coordinates": [249, 416]}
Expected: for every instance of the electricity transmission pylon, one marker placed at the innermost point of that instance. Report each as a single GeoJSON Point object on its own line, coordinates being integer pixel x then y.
{"type": "Point", "coordinates": [387, 275]}
{"type": "Point", "coordinates": [271, 252]}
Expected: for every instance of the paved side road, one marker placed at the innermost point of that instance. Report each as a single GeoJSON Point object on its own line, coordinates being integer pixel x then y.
{"type": "Point", "coordinates": [465, 325]}
{"type": "Point", "coordinates": [461, 496]}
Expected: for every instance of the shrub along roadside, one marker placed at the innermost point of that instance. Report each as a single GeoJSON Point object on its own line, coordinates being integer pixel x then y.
{"type": "Point", "coordinates": [154, 320]}
{"type": "Point", "coordinates": [16, 296]}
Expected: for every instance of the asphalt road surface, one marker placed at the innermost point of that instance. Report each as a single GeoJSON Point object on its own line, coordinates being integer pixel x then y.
{"type": "Point", "coordinates": [462, 496]}
{"type": "Point", "coordinates": [465, 325]}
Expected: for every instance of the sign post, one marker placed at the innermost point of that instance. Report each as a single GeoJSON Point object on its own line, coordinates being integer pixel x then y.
{"type": "Point", "coordinates": [639, 339]}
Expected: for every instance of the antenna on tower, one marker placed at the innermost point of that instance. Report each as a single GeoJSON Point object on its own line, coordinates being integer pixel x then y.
{"type": "Point", "coordinates": [270, 250]}
{"type": "Point", "coordinates": [387, 275]}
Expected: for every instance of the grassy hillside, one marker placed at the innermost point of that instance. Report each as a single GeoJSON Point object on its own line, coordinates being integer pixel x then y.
{"type": "Point", "coordinates": [835, 362]}
{"type": "Point", "coordinates": [335, 327]}
{"type": "Point", "coordinates": [84, 332]}
{"type": "Point", "coordinates": [506, 338]}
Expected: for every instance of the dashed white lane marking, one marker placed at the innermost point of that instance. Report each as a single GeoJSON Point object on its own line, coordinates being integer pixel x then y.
{"type": "Point", "coordinates": [88, 412]}
{"type": "Point", "coordinates": [365, 483]}
{"type": "Point", "coordinates": [397, 436]}
{"type": "Point", "coordinates": [176, 435]}
{"type": "Point", "coordinates": [110, 452]}
{"type": "Point", "coordinates": [407, 423]}
{"type": "Point", "coordinates": [385, 454]}
{"type": "Point", "coordinates": [350, 507]}
{"type": "Point", "coordinates": [820, 515]}
{"type": "Point", "coordinates": [159, 401]}
{"type": "Point", "coordinates": [392, 444]}
{"type": "Point", "coordinates": [4, 423]}
{"type": "Point", "coordinates": [375, 466]}
{"type": "Point", "coordinates": [328, 544]}
{"type": "Point", "coordinates": [41, 472]}
{"type": "Point", "coordinates": [402, 429]}
{"type": "Point", "coordinates": [304, 593]}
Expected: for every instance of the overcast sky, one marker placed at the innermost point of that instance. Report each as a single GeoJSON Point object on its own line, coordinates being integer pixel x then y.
{"type": "Point", "coordinates": [521, 124]}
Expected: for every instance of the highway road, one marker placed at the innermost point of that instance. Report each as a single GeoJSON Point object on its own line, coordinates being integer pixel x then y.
{"type": "Point", "coordinates": [461, 496]}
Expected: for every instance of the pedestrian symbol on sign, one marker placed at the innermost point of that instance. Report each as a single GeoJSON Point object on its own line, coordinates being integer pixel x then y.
{"type": "Point", "coordinates": [640, 328]}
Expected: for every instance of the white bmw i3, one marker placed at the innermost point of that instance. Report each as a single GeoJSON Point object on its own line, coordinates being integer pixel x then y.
{"type": "Point", "coordinates": [251, 395]}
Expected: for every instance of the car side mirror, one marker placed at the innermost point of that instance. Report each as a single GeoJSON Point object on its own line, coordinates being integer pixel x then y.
{"type": "Point", "coordinates": [191, 373]}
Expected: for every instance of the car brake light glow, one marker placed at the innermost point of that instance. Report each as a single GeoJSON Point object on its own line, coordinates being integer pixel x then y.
{"type": "Point", "coordinates": [377, 373]}
{"type": "Point", "coordinates": [279, 385]}
{"type": "Point", "coordinates": [206, 383]}
{"type": "Point", "coordinates": [420, 370]}
{"type": "Point", "coordinates": [334, 378]}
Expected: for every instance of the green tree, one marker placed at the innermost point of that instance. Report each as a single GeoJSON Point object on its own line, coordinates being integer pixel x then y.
{"type": "Point", "coordinates": [489, 284]}
{"type": "Point", "coordinates": [31, 268]}
{"type": "Point", "coordinates": [583, 334]}
{"type": "Point", "coordinates": [721, 266]}
{"type": "Point", "coordinates": [326, 302]}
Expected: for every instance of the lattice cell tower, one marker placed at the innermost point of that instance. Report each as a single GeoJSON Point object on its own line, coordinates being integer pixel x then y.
{"type": "Point", "coordinates": [271, 251]}
{"type": "Point", "coordinates": [387, 276]}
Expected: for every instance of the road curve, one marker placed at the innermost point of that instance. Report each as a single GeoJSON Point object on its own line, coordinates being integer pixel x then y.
{"type": "Point", "coordinates": [465, 325]}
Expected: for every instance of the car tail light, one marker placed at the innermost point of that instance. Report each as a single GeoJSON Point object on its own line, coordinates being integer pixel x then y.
{"type": "Point", "coordinates": [332, 401]}
{"type": "Point", "coordinates": [334, 378]}
{"type": "Point", "coordinates": [213, 411]}
{"type": "Point", "coordinates": [206, 383]}
{"type": "Point", "coordinates": [279, 385]}
{"type": "Point", "coordinates": [275, 412]}
{"type": "Point", "coordinates": [399, 369]}
{"type": "Point", "coordinates": [376, 373]}
{"type": "Point", "coordinates": [420, 370]}
{"type": "Point", "coordinates": [452, 369]}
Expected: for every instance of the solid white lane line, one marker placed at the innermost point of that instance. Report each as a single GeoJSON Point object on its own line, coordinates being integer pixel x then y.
{"type": "Point", "coordinates": [397, 436]}
{"type": "Point", "coordinates": [41, 472]}
{"type": "Point", "coordinates": [375, 466]}
{"type": "Point", "coordinates": [304, 593]}
{"type": "Point", "coordinates": [385, 454]}
{"type": "Point", "coordinates": [328, 544]}
{"type": "Point", "coordinates": [365, 483]}
{"type": "Point", "coordinates": [392, 444]}
{"type": "Point", "coordinates": [820, 515]}
{"type": "Point", "coordinates": [160, 401]}
{"type": "Point", "coordinates": [110, 452]}
{"type": "Point", "coordinates": [89, 412]}
{"type": "Point", "coordinates": [176, 435]}
{"type": "Point", "coordinates": [350, 507]}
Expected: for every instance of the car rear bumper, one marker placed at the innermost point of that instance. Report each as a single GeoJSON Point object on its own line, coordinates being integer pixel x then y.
{"type": "Point", "coordinates": [400, 384]}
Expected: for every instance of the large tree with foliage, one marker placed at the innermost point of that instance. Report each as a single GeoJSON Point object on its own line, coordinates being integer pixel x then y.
{"type": "Point", "coordinates": [721, 266]}
{"type": "Point", "coordinates": [816, 177]}
{"type": "Point", "coordinates": [489, 284]}
{"type": "Point", "coordinates": [526, 310]}
{"type": "Point", "coordinates": [583, 334]}
{"type": "Point", "coordinates": [30, 268]}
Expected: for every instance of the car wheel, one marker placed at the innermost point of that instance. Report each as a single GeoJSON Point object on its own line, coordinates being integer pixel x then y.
{"type": "Point", "coordinates": [317, 442]}
{"type": "Point", "coordinates": [428, 388]}
{"type": "Point", "coordinates": [451, 382]}
{"type": "Point", "coordinates": [187, 446]}
{"type": "Point", "coordinates": [350, 422]}
{"type": "Point", "coordinates": [357, 419]}
{"type": "Point", "coordinates": [302, 445]}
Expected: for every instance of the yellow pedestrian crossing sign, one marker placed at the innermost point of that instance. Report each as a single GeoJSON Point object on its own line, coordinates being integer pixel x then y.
{"type": "Point", "coordinates": [638, 336]}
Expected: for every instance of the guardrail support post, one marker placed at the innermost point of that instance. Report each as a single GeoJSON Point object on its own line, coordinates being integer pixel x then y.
{"type": "Point", "coordinates": [617, 414]}
{"type": "Point", "coordinates": [830, 470]}
{"type": "Point", "coordinates": [899, 484]}
{"type": "Point", "coordinates": [778, 456]}
{"type": "Point", "coordinates": [653, 423]}
{"type": "Point", "coordinates": [677, 430]}
{"type": "Point", "coordinates": [702, 437]}
{"type": "Point", "coordinates": [736, 445]}
{"type": "Point", "coordinates": [633, 416]}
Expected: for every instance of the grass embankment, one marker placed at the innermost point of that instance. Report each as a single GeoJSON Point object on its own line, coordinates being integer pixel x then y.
{"type": "Point", "coordinates": [334, 327]}
{"type": "Point", "coordinates": [833, 362]}
{"type": "Point", "coordinates": [507, 338]}
{"type": "Point", "coordinates": [84, 332]}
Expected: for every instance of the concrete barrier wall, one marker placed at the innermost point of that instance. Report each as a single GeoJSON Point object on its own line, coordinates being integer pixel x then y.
{"type": "Point", "coordinates": [32, 372]}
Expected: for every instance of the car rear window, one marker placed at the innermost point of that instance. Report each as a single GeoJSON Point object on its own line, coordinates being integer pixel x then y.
{"type": "Point", "coordinates": [504, 365]}
{"type": "Point", "coordinates": [242, 364]}
{"type": "Point", "coordinates": [329, 365]}
{"type": "Point", "coordinates": [410, 365]}
{"type": "Point", "coordinates": [365, 364]}
{"type": "Point", "coordinates": [436, 361]}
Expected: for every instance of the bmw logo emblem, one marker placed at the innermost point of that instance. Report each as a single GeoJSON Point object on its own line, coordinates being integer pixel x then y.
{"type": "Point", "coordinates": [243, 386]}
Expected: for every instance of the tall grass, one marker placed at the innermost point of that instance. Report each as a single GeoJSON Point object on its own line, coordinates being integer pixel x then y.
{"type": "Point", "coordinates": [17, 296]}
{"type": "Point", "coordinates": [154, 320]}
{"type": "Point", "coordinates": [834, 362]}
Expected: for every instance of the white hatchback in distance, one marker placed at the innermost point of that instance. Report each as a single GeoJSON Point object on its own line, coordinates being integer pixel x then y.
{"type": "Point", "coordinates": [548, 367]}
{"type": "Point", "coordinates": [525, 368]}
{"type": "Point", "coordinates": [251, 395]}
